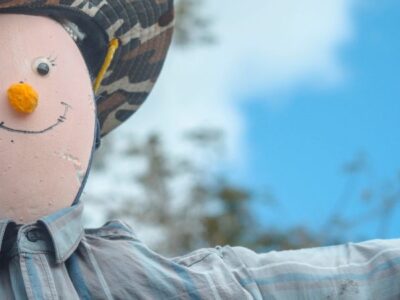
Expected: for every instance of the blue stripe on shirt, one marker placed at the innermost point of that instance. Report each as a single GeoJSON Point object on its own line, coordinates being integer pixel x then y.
{"type": "Point", "coordinates": [188, 282]}
{"type": "Point", "coordinates": [34, 278]}
{"type": "Point", "coordinates": [75, 273]}
{"type": "Point", "coordinates": [298, 277]}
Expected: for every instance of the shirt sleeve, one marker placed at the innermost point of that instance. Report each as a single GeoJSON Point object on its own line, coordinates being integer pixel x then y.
{"type": "Point", "coordinates": [368, 270]}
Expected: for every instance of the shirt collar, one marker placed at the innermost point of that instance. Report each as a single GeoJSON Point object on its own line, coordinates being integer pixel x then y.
{"type": "Point", "coordinates": [64, 227]}
{"type": "Point", "coordinates": [66, 230]}
{"type": "Point", "coordinates": [3, 226]}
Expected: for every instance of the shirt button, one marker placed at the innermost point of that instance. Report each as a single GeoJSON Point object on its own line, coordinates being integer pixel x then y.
{"type": "Point", "coordinates": [32, 236]}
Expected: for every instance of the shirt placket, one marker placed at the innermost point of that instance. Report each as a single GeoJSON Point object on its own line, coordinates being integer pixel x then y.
{"type": "Point", "coordinates": [34, 264]}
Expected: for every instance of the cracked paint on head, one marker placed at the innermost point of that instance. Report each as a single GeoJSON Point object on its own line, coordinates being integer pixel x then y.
{"type": "Point", "coordinates": [80, 170]}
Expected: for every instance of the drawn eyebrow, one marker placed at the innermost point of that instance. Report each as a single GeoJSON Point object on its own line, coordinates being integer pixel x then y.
{"type": "Point", "coordinates": [52, 60]}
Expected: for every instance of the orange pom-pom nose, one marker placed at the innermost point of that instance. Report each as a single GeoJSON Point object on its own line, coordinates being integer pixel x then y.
{"type": "Point", "coordinates": [23, 97]}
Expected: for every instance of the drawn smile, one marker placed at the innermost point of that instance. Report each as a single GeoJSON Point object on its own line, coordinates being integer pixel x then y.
{"type": "Point", "coordinates": [60, 120]}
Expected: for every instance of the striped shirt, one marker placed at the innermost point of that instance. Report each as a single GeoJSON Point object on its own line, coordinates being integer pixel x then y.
{"type": "Point", "coordinates": [56, 258]}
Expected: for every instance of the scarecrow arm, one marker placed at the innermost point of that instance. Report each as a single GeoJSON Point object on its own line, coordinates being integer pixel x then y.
{"type": "Point", "coordinates": [369, 270]}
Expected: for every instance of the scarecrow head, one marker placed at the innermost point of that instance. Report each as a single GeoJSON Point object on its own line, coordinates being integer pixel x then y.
{"type": "Point", "coordinates": [71, 72]}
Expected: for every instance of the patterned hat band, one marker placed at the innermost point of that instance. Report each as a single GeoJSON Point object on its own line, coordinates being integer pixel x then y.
{"type": "Point", "coordinates": [124, 43]}
{"type": "Point", "coordinates": [73, 30]}
{"type": "Point", "coordinates": [78, 36]}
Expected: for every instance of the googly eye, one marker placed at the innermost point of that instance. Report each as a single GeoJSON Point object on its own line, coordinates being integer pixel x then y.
{"type": "Point", "coordinates": [43, 66]}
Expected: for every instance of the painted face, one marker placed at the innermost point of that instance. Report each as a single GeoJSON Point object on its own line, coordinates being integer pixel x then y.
{"type": "Point", "coordinates": [47, 117]}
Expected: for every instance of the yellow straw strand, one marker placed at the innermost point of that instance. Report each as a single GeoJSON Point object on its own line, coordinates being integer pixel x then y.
{"type": "Point", "coordinates": [112, 48]}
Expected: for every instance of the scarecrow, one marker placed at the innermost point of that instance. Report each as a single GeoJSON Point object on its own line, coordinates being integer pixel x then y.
{"type": "Point", "coordinates": [71, 71]}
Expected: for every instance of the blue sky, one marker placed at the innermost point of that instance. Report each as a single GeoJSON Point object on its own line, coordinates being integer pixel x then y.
{"type": "Point", "coordinates": [299, 88]}
{"type": "Point", "coordinates": [297, 149]}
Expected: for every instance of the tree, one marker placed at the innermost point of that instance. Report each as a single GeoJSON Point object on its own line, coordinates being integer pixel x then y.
{"type": "Point", "coordinates": [192, 27]}
{"type": "Point", "coordinates": [190, 204]}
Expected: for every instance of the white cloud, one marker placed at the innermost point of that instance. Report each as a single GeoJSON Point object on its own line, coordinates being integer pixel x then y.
{"type": "Point", "coordinates": [269, 45]}
{"type": "Point", "coordinates": [281, 43]}
{"type": "Point", "coordinates": [272, 45]}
